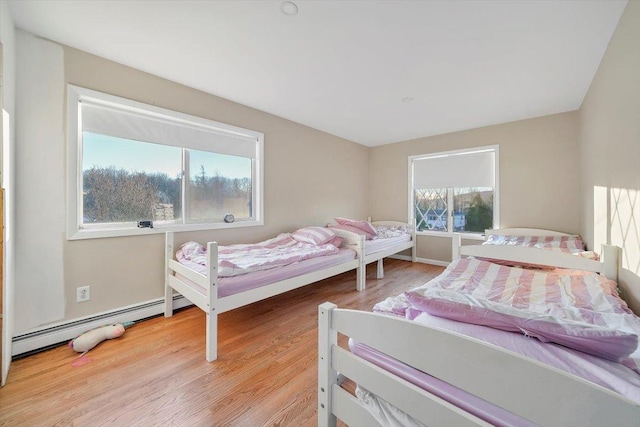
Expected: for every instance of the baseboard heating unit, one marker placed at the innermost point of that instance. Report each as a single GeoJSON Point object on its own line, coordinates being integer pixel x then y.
{"type": "Point", "coordinates": [51, 335]}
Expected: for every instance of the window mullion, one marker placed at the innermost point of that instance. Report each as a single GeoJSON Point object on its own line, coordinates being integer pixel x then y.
{"type": "Point", "coordinates": [186, 173]}
{"type": "Point", "coordinates": [450, 210]}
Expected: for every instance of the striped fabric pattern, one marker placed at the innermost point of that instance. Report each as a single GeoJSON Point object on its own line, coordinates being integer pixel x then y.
{"type": "Point", "coordinates": [560, 296]}
{"type": "Point", "coordinates": [234, 260]}
{"type": "Point", "coordinates": [587, 294]}
{"type": "Point", "coordinates": [314, 235]}
{"type": "Point", "coordinates": [567, 244]}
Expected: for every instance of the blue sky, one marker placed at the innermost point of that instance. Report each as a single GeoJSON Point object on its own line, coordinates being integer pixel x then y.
{"type": "Point", "coordinates": [104, 151]}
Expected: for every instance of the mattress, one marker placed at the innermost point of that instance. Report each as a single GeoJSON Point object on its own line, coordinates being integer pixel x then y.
{"type": "Point", "coordinates": [377, 245]}
{"type": "Point", "coordinates": [236, 284]}
{"type": "Point", "coordinates": [610, 375]}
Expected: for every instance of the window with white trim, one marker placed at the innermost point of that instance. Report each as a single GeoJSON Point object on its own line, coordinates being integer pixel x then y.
{"type": "Point", "coordinates": [131, 163]}
{"type": "Point", "coordinates": [454, 191]}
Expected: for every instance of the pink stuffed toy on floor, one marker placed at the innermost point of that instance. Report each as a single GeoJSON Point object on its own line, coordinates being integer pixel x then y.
{"type": "Point", "coordinates": [92, 338]}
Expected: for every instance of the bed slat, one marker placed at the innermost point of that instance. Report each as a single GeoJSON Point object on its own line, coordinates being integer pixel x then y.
{"type": "Point", "coordinates": [239, 300]}
{"type": "Point", "coordinates": [190, 274]}
{"type": "Point", "coordinates": [422, 405]}
{"type": "Point", "coordinates": [387, 252]}
{"type": "Point", "coordinates": [188, 292]}
{"type": "Point", "coordinates": [348, 409]}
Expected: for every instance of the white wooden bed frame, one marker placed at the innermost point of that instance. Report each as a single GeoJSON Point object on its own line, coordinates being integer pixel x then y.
{"type": "Point", "coordinates": [380, 255]}
{"type": "Point", "coordinates": [607, 266]}
{"type": "Point", "coordinates": [212, 305]}
{"type": "Point", "coordinates": [542, 394]}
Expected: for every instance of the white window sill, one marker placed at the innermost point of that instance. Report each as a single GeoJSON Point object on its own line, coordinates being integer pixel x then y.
{"type": "Point", "coordinates": [465, 236]}
{"type": "Point", "coordinates": [99, 233]}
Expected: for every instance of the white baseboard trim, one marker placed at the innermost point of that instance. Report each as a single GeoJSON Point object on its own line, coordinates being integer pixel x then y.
{"type": "Point", "coordinates": [66, 331]}
{"type": "Point", "coordinates": [433, 262]}
{"type": "Point", "coordinates": [421, 260]}
{"type": "Point", "coordinates": [402, 257]}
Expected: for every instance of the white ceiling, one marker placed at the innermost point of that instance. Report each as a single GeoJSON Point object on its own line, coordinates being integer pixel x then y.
{"type": "Point", "coordinates": [344, 67]}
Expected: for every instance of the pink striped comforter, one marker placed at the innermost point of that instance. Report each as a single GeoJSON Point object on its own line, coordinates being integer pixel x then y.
{"type": "Point", "coordinates": [239, 259]}
{"type": "Point", "coordinates": [577, 309]}
{"type": "Point", "coordinates": [567, 244]}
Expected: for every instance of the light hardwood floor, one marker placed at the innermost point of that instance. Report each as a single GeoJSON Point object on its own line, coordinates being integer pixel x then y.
{"type": "Point", "coordinates": [156, 374]}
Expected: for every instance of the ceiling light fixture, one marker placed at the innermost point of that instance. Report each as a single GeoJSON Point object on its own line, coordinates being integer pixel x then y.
{"type": "Point", "coordinates": [407, 99]}
{"type": "Point", "coordinates": [289, 8]}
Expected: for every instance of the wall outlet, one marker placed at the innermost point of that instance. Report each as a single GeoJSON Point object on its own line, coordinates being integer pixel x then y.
{"type": "Point", "coordinates": [83, 294]}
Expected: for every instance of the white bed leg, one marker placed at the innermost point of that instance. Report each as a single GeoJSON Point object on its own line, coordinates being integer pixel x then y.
{"type": "Point", "coordinates": [361, 272]}
{"type": "Point", "coordinates": [168, 290]}
{"type": "Point", "coordinates": [212, 304]}
{"type": "Point", "coordinates": [327, 376]}
{"type": "Point", "coordinates": [361, 276]}
{"type": "Point", "coordinates": [380, 271]}
{"type": "Point", "coordinates": [212, 336]}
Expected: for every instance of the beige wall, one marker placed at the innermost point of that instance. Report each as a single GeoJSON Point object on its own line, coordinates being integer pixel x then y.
{"type": "Point", "coordinates": [539, 175]}
{"type": "Point", "coordinates": [310, 177]}
{"type": "Point", "coordinates": [609, 124]}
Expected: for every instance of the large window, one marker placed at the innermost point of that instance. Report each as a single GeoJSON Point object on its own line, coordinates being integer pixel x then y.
{"type": "Point", "coordinates": [131, 163]}
{"type": "Point", "coordinates": [454, 191]}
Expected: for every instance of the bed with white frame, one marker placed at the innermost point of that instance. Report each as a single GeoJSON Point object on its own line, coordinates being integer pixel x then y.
{"type": "Point", "coordinates": [536, 256]}
{"type": "Point", "coordinates": [191, 284]}
{"type": "Point", "coordinates": [566, 399]}
{"type": "Point", "coordinates": [378, 249]}
{"type": "Point", "coordinates": [371, 254]}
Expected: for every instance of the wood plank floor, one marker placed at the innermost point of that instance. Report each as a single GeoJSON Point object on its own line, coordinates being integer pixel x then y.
{"type": "Point", "coordinates": [156, 374]}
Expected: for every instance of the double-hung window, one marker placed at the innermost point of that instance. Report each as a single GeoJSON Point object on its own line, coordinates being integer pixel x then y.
{"type": "Point", "coordinates": [133, 165]}
{"type": "Point", "coordinates": [454, 191]}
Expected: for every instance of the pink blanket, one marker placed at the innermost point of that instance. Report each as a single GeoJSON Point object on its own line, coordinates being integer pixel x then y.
{"type": "Point", "coordinates": [574, 308]}
{"type": "Point", "coordinates": [239, 259]}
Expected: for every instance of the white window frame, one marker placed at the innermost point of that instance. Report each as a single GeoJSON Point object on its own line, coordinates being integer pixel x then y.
{"type": "Point", "coordinates": [76, 230]}
{"type": "Point", "coordinates": [449, 232]}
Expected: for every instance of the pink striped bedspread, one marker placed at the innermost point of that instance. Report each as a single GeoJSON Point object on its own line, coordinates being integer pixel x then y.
{"type": "Point", "coordinates": [576, 309]}
{"type": "Point", "coordinates": [240, 259]}
{"type": "Point", "coordinates": [567, 244]}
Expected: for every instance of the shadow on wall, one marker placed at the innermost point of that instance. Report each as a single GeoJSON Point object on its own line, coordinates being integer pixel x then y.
{"type": "Point", "coordinates": [617, 222]}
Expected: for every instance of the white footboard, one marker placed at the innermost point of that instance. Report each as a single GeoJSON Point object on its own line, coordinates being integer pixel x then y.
{"type": "Point", "coordinates": [380, 255]}
{"type": "Point", "coordinates": [608, 264]}
{"type": "Point", "coordinates": [529, 389]}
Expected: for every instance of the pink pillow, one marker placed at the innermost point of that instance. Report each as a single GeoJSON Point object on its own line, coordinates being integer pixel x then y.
{"type": "Point", "coordinates": [362, 225]}
{"type": "Point", "coordinates": [314, 235]}
{"type": "Point", "coordinates": [336, 241]}
{"type": "Point", "coordinates": [352, 229]}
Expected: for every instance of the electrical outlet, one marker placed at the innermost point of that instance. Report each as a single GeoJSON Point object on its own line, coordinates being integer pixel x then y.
{"type": "Point", "coordinates": [83, 294]}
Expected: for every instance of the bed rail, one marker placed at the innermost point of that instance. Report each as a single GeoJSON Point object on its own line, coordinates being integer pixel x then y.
{"type": "Point", "coordinates": [542, 394]}
{"type": "Point", "coordinates": [608, 264]}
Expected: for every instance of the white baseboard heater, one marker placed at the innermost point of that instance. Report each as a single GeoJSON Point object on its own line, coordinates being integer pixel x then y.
{"type": "Point", "coordinates": [51, 335]}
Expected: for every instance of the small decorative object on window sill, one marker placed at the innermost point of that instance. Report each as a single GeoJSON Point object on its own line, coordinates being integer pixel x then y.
{"type": "Point", "coordinates": [229, 218]}
{"type": "Point", "coordinates": [145, 224]}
